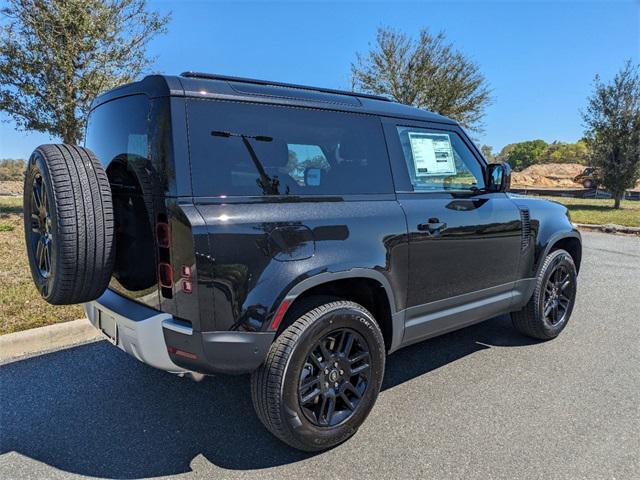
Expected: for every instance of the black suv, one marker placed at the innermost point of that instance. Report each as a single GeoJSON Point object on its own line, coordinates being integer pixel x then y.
{"type": "Point", "coordinates": [225, 225]}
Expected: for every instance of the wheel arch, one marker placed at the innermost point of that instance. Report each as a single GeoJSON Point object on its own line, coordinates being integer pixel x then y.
{"type": "Point", "coordinates": [366, 287]}
{"type": "Point", "coordinates": [570, 241]}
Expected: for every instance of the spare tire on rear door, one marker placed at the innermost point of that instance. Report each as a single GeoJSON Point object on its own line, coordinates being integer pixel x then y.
{"type": "Point", "coordinates": [68, 220]}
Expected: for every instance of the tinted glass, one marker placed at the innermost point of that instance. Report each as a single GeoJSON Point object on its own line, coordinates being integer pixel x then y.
{"type": "Point", "coordinates": [118, 134]}
{"type": "Point", "coordinates": [119, 129]}
{"type": "Point", "coordinates": [439, 160]}
{"type": "Point", "coordinates": [254, 150]}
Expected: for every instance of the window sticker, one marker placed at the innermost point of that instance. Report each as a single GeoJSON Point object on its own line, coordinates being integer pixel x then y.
{"type": "Point", "coordinates": [432, 154]}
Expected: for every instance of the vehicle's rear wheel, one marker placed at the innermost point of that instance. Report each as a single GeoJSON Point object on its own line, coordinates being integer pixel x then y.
{"type": "Point", "coordinates": [548, 311]}
{"type": "Point", "coordinates": [587, 183]}
{"type": "Point", "coordinates": [322, 376]}
{"type": "Point", "coordinates": [68, 224]}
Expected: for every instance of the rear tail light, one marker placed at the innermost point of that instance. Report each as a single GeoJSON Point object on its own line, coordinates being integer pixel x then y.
{"type": "Point", "coordinates": [163, 235]}
{"type": "Point", "coordinates": [165, 275]}
{"type": "Point", "coordinates": [165, 271]}
{"type": "Point", "coordinates": [185, 273]}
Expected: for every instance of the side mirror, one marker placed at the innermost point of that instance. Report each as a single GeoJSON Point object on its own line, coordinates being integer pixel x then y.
{"type": "Point", "coordinates": [312, 177]}
{"type": "Point", "coordinates": [498, 177]}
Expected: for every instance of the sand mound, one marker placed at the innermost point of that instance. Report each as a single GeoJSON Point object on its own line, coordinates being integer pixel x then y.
{"type": "Point", "coordinates": [552, 175]}
{"type": "Point", "coordinates": [11, 187]}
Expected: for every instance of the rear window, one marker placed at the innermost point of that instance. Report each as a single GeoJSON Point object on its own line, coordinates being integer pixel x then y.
{"type": "Point", "coordinates": [253, 150]}
{"type": "Point", "coordinates": [119, 129]}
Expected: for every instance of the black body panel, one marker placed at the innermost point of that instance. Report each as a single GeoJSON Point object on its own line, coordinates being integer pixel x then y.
{"type": "Point", "coordinates": [478, 249]}
{"type": "Point", "coordinates": [250, 280]}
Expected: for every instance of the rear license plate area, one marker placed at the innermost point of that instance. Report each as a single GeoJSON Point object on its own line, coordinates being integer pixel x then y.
{"type": "Point", "coordinates": [108, 326]}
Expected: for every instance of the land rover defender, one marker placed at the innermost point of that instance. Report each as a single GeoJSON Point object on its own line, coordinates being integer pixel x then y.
{"type": "Point", "coordinates": [213, 224]}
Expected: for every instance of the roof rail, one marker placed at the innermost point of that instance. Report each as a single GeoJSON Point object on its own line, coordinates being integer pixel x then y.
{"type": "Point", "coordinates": [213, 76]}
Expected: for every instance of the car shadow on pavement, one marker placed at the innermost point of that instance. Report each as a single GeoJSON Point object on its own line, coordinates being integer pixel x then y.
{"type": "Point", "coordinates": [93, 410]}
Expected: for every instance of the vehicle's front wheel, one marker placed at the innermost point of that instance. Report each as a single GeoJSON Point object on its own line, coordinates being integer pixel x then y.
{"type": "Point", "coordinates": [549, 308]}
{"type": "Point", "coordinates": [321, 377]}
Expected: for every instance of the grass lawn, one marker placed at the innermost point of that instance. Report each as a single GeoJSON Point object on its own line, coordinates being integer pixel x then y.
{"type": "Point", "coordinates": [601, 211]}
{"type": "Point", "coordinates": [20, 304]}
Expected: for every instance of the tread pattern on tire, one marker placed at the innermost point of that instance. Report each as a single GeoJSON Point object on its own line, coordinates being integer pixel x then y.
{"type": "Point", "coordinates": [528, 321]}
{"type": "Point", "coordinates": [266, 382]}
{"type": "Point", "coordinates": [82, 205]}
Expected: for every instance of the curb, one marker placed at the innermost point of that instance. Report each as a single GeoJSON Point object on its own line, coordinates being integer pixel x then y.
{"type": "Point", "coordinates": [609, 228]}
{"type": "Point", "coordinates": [19, 345]}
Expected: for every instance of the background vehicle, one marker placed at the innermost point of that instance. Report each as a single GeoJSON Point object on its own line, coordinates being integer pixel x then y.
{"type": "Point", "coordinates": [297, 233]}
{"type": "Point", "coordinates": [588, 178]}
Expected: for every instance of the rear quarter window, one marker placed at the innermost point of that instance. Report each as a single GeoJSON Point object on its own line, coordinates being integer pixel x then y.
{"type": "Point", "coordinates": [119, 129]}
{"type": "Point", "coordinates": [242, 149]}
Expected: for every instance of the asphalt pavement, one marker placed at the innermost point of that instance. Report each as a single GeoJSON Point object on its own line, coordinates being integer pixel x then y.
{"type": "Point", "coordinates": [483, 402]}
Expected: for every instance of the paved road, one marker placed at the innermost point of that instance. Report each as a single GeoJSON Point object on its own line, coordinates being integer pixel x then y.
{"type": "Point", "coordinates": [483, 402]}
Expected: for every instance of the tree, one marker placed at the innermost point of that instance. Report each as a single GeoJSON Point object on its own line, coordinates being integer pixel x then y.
{"type": "Point", "coordinates": [487, 151]}
{"type": "Point", "coordinates": [558, 152]}
{"type": "Point", "coordinates": [57, 55]}
{"type": "Point", "coordinates": [612, 123]}
{"type": "Point", "coordinates": [523, 154]}
{"type": "Point", "coordinates": [426, 73]}
{"type": "Point", "coordinates": [297, 167]}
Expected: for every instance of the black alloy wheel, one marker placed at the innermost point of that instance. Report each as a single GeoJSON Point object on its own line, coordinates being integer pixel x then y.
{"type": "Point", "coordinates": [558, 295]}
{"type": "Point", "coordinates": [334, 377]}
{"type": "Point", "coordinates": [42, 240]}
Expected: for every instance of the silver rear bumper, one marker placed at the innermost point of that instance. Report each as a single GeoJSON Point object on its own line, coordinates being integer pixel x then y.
{"type": "Point", "coordinates": [138, 331]}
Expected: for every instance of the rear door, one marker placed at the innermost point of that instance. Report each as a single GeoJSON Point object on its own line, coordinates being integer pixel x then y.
{"type": "Point", "coordinates": [464, 243]}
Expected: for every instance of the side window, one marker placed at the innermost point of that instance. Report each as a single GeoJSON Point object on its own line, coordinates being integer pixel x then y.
{"type": "Point", "coordinates": [244, 149]}
{"type": "Point", "coordinates": [438, 160]}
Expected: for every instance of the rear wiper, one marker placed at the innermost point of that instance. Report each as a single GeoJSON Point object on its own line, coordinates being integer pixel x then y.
{"type": "Point", "coordinates": [268, 185]}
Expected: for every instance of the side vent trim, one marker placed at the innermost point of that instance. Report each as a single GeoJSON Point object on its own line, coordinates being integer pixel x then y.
{"type": "Point", "coordinates": [525, 232]}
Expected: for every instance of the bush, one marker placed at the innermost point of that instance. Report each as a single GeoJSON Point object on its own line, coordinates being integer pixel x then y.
{"type": "Point", "coordinates": [11, 169]}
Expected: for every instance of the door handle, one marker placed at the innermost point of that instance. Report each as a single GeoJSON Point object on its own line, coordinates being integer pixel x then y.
{"type": "Point", "coordinates": [433, 226]}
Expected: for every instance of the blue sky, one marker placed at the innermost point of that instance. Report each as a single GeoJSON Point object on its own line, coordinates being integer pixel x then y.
{"type": "Point", "coordinates": [539, 57]}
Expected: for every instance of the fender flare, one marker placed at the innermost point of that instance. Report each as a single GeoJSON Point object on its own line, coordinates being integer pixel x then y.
{"type": "Point", "coordinates": [555, 238]}
{"type": "Point", "coordinates": [397, 317]}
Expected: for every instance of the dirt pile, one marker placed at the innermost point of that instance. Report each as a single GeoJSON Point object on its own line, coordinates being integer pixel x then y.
{"type": "Point", "coordinates": [552, 175]}
{"type": "Point", "coordinates": [11, 187]}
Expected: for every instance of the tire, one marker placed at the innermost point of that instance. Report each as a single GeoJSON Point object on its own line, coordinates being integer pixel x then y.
{"type": "Point", "coordinates": [68, 224]}
{"type": "Point", "coordinates": [587, 183]}
{"type": "Point", "coordinates": [535, 320]}
{"type": "Point", "coordinates": [276, 386]}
